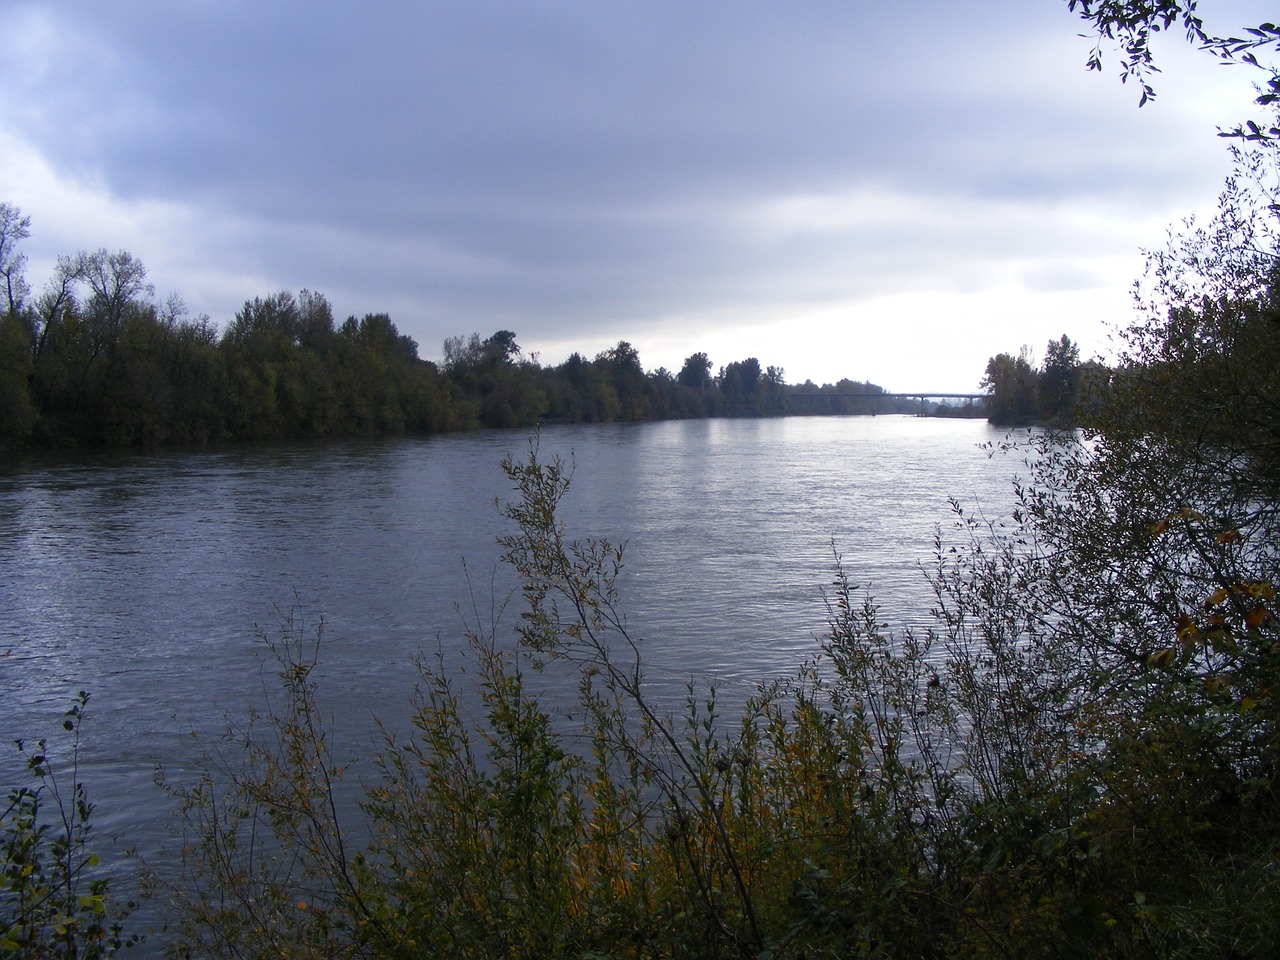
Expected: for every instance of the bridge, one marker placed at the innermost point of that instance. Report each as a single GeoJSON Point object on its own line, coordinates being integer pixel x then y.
{"type": "Point", "coordinates": [798, 401]}
{"type": "Point", "coordinates": [919, 395]}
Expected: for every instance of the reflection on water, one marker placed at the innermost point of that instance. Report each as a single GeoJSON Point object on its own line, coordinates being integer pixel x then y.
{"type": "Point", "coordinates": [141, 577]}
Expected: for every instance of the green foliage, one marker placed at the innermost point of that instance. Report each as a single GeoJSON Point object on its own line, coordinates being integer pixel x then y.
{"type": "Point", "coordinates": [54, 902]}
{"type": "Point", "coordinates": [94, 360]}
{"type": "Point", "coordinates": [18, 413]}
{"type": "Point", "coordinates": [747, 390]}
{"type": "Point", "coordinates": [1061, 392]}
{"type": "Point", "coordinates": [1013, 386]}
{"type": "Point", "coordinates": [1143, 588]}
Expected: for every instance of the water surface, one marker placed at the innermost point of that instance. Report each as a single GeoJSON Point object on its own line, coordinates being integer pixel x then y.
{"type": "Point", "coordinates": [142, 577]}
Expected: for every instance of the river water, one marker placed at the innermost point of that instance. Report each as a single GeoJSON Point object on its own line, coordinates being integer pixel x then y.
{"type": "Point", "coordinates": [141, 577]}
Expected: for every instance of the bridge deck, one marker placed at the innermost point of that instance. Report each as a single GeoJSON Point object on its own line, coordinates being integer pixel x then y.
{"type": "Point", "coordinates": [910, 395]}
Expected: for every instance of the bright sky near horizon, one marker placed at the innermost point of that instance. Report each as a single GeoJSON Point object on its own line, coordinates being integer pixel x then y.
{"type": "Point", "coordinates": [889, 192]}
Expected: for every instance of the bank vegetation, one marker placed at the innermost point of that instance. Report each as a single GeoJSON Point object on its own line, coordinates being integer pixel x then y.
{"type": "Point", "coordinates": [94, 359]}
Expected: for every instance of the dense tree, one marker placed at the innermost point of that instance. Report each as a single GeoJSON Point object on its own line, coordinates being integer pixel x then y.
{"type": "Point", "coordinates": [773, 392]}
{"type": "Point", "coordinates": [499, 385]}
{"type": "Point", "coordinates": [260, 349]}
{"type": "Point", "coordinates": [696, 372]}
{"type": "Point", "coordinates": [1021, 393]}
{"type": "Point", "coordinates": [54, 322]}
{"type": "Point", "coordinates": [117, 295]}
{"type": "Point", "coordinates": [18, 413]}
{"type": "Point", "coordinates": [620, 365]}
{"type": "Point", "coordinates": [315, 323]}
{"type": "Point", "coordinates": [1149, 557]}
{"type": "Point", "coordinates": [582, 392]}
{"type": "Point", "coordinates": [198, 373]}
{"type": "Point", "coordinates": [501, 348]}
{"type": "Point", "coordinates": [94, 359]}
{"type": "Point", "coordinates": [117, 285]}
{"type": "Point", "coordinates": [738, 384]}
{"type": "Point", "coordinates": [1060, 381]}
{"type": "Point", "coordinates": [1011, 385]}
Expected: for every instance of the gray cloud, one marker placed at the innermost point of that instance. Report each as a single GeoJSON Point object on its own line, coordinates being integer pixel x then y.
{"type": "Point", "coordinates": [569, 166]}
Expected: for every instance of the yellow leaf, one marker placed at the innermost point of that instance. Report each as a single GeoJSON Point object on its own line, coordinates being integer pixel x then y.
{"type": "Point", "coordinates": [1163, 658]}
{"type": "Point", "coordinates": [1217, 597]}
{"type": "Point", "coordinates": [1188, 633]}
{"type": "Point", "coordinates": [1213, 685]}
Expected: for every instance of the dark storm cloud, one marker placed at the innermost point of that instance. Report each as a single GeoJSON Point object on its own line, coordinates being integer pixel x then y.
{"type": "Point", "coordinates": [569, 164]}
{"type": "Point", "coordinates": [425, 110]}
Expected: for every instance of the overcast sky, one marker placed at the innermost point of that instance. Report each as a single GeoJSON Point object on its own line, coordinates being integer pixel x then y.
{"type": "Point", "coordinates": [884, 191]}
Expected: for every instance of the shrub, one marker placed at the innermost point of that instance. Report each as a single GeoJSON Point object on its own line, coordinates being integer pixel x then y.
{"type": "Point", "coordinates": [52, 901]}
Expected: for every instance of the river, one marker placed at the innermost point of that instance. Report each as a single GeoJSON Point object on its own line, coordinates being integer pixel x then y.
{"type": "Point", "coordinates": [141, 577]}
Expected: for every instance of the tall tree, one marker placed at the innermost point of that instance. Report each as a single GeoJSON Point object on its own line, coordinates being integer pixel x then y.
{"type": "Point", "coordinates": [1060, 381]}
{"type": "Point", "coordinates": [14, 228]}
{"type": "Point", "coordinates": [17, 411]}
{"type": "Point", "coordinates": [502, 347]}
{"type": "Point", "coordinates": [1013, 388]}
{"type": "Point", "coordinates": [621, 366]}
{"type": "Point", "coordinates": [696, 373]}
{"type": "Point", "coordinates": [315, 321]}
{"type": "Point", "coordinates": [737, 384]}
{"type": "Point", "coordinates": [117, 292]}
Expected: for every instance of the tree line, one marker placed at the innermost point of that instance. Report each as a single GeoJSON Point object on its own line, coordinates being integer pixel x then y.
{"type": "Point", "coordinates": [94, 359]}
